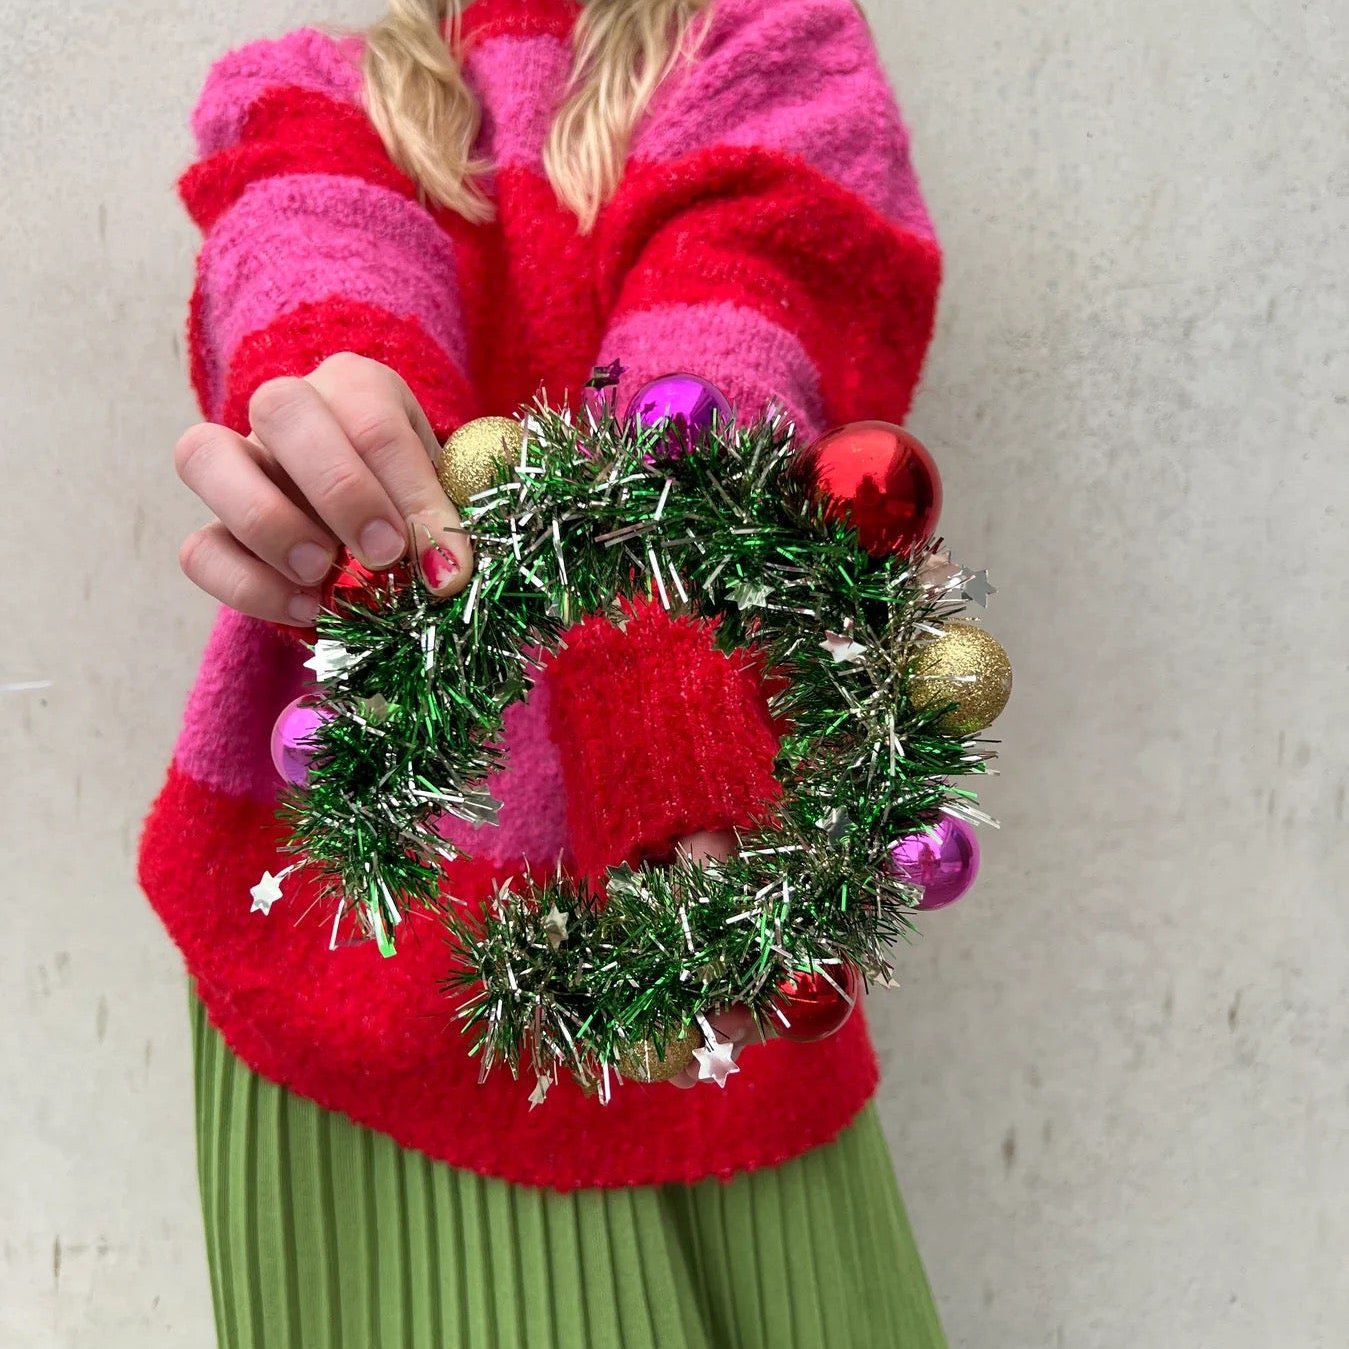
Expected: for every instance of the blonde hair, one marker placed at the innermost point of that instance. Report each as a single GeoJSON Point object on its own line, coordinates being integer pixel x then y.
{"type": "Point", "coordinates": [429, 118]}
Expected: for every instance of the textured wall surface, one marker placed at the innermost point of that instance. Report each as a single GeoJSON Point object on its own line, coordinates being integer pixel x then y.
{"type": "Point", "coordinates": [1118, 1075]}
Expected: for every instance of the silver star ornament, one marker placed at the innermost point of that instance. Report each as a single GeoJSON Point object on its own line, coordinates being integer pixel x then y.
{"type": "Point", "coordinates": [843, 649]}
{"type": "Point", "coordinates": [835, 823]}
{"type": "Point", "coordinates": [555, 925]}
{"type": "Point", "coordinates": [977, 589]}
{"type": "Point", "coordinates": [329, 658]}
{"type": "Point", "coordinates": [265, 893]}
{"type": "Point", "coordinates": [716, 1062]}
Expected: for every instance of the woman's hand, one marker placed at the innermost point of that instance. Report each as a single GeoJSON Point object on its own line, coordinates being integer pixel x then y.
{"type": "Point", "coordinates": [342, 457]}
{"type": "Point", "coordinates": [735, 1024]}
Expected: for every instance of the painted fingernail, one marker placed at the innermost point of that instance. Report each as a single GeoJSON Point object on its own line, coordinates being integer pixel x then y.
{"type": "Point", "coordinates": [430, 545]}
{"type": "Point", "coordinates": [303, 609]}
{"type": "Point", "coordinates": [381, 544]}
{"type": "Point", "coordinates": [309, 562]}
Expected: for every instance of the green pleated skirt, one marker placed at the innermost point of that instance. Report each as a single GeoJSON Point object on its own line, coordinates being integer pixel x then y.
{"type": "Point", "coordinates": [325, 1235]}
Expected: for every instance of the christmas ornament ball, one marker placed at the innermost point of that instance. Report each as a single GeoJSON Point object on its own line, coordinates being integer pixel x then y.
{"type": "Point", "coordinates": [942, 860]}
{"type": "Point", "coordinates": [814, 1004]}
{"type": "Point", "coordinates": [881, 480]}
{"type": "Point", "coordinates": [471, 456]}
{"type": "Point", "coordinates": [691, 402]}
{"type": "Point", "coordinates": [355, 585]}
{"type": "Point", "coordinates": [965, 670]}
{"type": "Point", "coordinates": [587, 1081]}
{"type": "Point", "coordinates": [643, 1062]}
{"type": "Point", "coordinates": [292, 743]}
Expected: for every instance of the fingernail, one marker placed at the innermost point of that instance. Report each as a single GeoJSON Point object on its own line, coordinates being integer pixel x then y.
{"type": "Point", "coordinates": [309, 562]}
{"type": "Point", "coordinates": [381, 544]}
{"type": "Point", "coordinates": [437, 564]}
{"type": "Point", "coordinates": [303, 609]}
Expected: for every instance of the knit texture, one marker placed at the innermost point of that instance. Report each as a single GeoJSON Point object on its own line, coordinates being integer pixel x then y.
{"type": "Point", "coordinates": [768, 234]}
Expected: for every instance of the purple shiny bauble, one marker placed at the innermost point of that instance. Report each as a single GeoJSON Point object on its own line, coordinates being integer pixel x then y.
{"type": "Point", "coordinates": [292, 748]}
{"type": "Point", "coordinates": [691, 403]}
{"type": "Point", "coordinates": [943, 860]}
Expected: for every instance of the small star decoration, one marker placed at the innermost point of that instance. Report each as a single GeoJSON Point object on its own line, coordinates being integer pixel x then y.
{"type": "Point", "coordinates": [540, 1092]}
{"type": "Point", "coordinates": [938, 571]}
{"type": "Point", "coordinates": [329, 658]}
{"type": "Point", "coordinates": [977, 589]}
{"type": "Point", "coordinates": [265, 893]}
{"type": "Point", "coordinates": [843, 649]}
{"type": "Point", "coordinates": [376, 709]}
{"type": "Point", "coordinates": [555, 925]}
{"type": "Point", "coordinates": [716, 1062]}
{"type": "Point", "coordinates": [748, 595]}
{"type": "Point", "coordinates": [835, 823]}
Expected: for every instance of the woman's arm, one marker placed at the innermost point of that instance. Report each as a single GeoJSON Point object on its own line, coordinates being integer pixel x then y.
{"type": "Point", "coordinates": [768, 236]}
{"type": "Point", "coordinates": [314, 242]}
{"type": "Point", "coordinates": [326, 342]}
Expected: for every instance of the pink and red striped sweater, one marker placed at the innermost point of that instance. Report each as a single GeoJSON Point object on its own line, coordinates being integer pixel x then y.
{"type": "Point", "coordinates": [769, 235]}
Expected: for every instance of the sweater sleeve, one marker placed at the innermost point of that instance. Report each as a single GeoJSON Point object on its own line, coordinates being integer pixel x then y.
{"type": "Point", "coordinates": [769, 236]}
{"type": "Point", "coordinates": [314, 242]}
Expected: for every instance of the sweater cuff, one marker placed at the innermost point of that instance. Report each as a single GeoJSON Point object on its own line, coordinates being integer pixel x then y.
{"type": "Point", "coordinates": [659, 735]}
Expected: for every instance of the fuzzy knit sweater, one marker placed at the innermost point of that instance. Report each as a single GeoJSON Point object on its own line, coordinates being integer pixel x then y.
{"type": "Point", "coordinates": [768, 234]}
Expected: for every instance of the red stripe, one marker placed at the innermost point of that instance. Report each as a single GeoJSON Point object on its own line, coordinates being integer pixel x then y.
{"type": "Point", "coordinates": [529, 296]}
{"type": "Point", "coordinates": [290, 131]}
{"type": "Point", "coordinates": [297, 342]}
{"type": "Point", "coordinates": [376, 1039]}
{"type": "Point", "coordinates": [767, 232]}
{"type": "Point", "coordinates": [198, 354]}
{"type": "Point", "coordinates": [520, 18]}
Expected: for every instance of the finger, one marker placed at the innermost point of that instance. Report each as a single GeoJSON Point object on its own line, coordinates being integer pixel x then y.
{"type": "Point", "coordinates": [221, 467]}
{"type": "Point", "coordinates": [300, 432]}
{"type": "Point", "coordinates": [719, 844]}
{"type": "Point", "coordinates": [215, 560]}
{"type": "Point", "coordinates": [739, 1022]}
{"type": "Point", "coordinates": [389, 431]}
{"type": "Point", "coordinates": [738, 1025]}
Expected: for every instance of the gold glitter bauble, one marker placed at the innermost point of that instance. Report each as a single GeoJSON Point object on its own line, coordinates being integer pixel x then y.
{"type": "Point", "coordinates": [469, 461]}
{"type": "Point", "coordinates": [967, 667]}
{"type": "Point", "coordinates": [643, 1062]}
{"type": "Point", "coordinates": [587, 1080]}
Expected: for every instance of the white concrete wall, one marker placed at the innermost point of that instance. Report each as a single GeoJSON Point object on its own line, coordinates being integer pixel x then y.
{"type": "Point", "coordinates": [1117, 1075]}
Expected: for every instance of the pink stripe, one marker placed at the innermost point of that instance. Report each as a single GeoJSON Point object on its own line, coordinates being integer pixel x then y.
{"type": "Point", "coordinates": [750, 358]}
{"type": "Point", "coordinates": [532, 822]}
{"type": "Point", "coordinates": [800, 77]}
{"type": "Point", "coordinates": [248, 674]}
{"type": "Point", "coordinates": [305, 59]}
{"type": "Point", "coordinates": [298, 238]}
{"type": "Point", "coordinates": [520, 82]}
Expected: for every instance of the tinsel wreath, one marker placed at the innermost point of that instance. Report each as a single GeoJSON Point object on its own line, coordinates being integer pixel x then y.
{"type": "Point", "coordinates": [585, 512]}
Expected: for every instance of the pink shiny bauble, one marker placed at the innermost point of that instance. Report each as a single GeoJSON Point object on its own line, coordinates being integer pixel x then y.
{"type": "Point", "coordinates": [807, 1006]}
{"type": "Point", "coordinates": [292, 747]}
{"type": "Point", "coordinates": [692, 404]}
{"type": "Point", "coordinates": [879, 479]}
{"type": "Point", "coordinates": [943, 860]}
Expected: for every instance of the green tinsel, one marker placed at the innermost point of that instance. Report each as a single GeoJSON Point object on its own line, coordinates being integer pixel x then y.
{"type": "Point", "coordinates": [593, 512]}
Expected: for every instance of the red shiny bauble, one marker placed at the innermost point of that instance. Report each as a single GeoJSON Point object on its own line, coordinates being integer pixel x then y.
{"type": "Point", "coordinates": [814, 1004]}
{"type": "Point", "coordinates": [354, 583]}
{"type": "Point", "coordinates": [879, 479]}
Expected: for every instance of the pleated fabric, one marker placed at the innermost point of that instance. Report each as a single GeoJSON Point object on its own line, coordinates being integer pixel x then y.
{"type": "Point", "coordinates": [322, 1234]}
